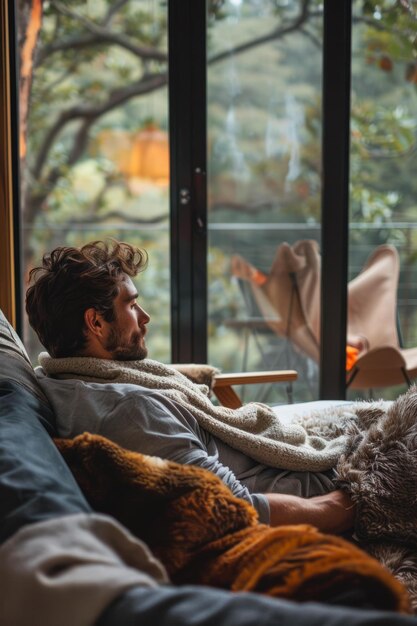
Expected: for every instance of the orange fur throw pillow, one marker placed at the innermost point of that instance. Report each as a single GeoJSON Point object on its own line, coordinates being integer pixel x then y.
{"type": "Point", "coordinates": [203, 534]}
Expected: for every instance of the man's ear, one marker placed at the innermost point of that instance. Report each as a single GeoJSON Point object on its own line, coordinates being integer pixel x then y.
{"type": "Point", "coordinates": [93, 322]}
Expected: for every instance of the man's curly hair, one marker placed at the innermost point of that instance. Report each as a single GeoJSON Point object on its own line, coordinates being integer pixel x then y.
{"type": "Point", "coordinates": [72, 280]}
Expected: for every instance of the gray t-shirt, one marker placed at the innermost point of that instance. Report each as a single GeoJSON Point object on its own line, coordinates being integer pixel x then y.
{"type": "Point", "coordinates": [146, 421]}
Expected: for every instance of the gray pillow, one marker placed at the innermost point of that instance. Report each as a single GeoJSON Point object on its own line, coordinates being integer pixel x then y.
{"type": "Point", "coordinates": [15, 364]}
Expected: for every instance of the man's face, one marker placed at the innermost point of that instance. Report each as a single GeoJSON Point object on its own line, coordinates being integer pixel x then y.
{"type": "Point", "coordinates": [126, 336]}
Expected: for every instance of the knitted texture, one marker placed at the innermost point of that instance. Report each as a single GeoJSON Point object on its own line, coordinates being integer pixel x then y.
{"type": "Point", "coordinates": [254, 429]}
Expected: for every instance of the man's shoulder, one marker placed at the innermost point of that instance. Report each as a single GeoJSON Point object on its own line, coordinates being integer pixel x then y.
{"type": "Point", "coordinates": [99, 387]}
{"type": "Point", "coordinates": [68, 384]}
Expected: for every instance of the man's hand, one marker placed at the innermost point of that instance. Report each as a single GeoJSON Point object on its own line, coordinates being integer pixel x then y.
{"type": "Point", "coordinates": [332, 512]}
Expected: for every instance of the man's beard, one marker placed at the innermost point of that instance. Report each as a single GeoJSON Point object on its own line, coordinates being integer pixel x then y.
{"type": "Point", "coordinates": [123, 351]}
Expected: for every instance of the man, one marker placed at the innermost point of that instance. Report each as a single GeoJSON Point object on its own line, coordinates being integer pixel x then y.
{"type": "Point", "coordinates": [62, 564]}
{"type": "Point", "coordinates": [83, 306]}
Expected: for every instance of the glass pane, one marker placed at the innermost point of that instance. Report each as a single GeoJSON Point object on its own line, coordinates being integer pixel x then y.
{"type": "Point", "coordinates": [264, 189]}
{"type": "Point", "coordinates": [97, 162]}
{"type": "Point", "coordinates": [383, 187]}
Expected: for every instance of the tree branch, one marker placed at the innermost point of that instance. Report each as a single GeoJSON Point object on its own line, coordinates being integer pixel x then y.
{"type": "Point", "coordinates": [315, 40]}
{"type": "Point", "coordinates": [298, 23]}
{"type": "Point", "coordinates": [127, 219]}
{"type": "Point", "coordinates": [277, 33]}
{"type": "Point", "coordinates": [98, 36]}
{"type": "Point", "coordinates": [49, 87]}
{"type": "Point", "coordinates": [117, 97]}
{"type": "Point", "coordinates": [113, 9]}
{"type": "Point", "coordinates": [369, 21]}
{"type": "Point", "coordinates": [105, 37]}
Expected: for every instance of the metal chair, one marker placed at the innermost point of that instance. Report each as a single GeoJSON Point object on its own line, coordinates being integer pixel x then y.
{"type": "Point", "coordinates": [288, 301]}
{"type": "Point", "coordinates": [372, 313]}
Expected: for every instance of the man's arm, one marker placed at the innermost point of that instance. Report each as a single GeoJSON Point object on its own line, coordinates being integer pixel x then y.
{"type": "Point", "coordinates": [165, 431]}
{"type": "Point", "coordinates": [332, 512]}
{"type": "Point", "coordinates": [144, 421]}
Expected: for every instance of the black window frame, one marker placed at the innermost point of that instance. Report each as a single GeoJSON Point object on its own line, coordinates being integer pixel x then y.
{"type": "Point", "coordinates": [188, 67]}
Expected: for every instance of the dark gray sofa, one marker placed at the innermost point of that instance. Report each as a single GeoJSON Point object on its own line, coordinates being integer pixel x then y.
{"type": "Point", "coordinates": [36, 485]}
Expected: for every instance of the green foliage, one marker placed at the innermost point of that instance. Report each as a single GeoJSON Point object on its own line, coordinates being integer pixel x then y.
{"type": "Point", "coordinates": [264, 132]}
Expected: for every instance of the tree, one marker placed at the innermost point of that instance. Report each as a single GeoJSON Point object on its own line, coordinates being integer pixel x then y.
{"type": "Point", "coordinates": [69, 104]}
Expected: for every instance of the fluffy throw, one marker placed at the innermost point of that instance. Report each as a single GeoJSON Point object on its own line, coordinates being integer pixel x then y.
{"type": "Point", "coordinates": [379, 469]}
{"type": "Point", "coordinates": [205, 535]}
{"type": "Point", "coordinates": [254, 429]}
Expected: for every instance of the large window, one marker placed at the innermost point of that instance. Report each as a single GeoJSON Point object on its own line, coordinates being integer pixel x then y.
{"type": "Point", "coordinates": [97, 156]}
{"type": "Point", "coordinates": [103, 112]}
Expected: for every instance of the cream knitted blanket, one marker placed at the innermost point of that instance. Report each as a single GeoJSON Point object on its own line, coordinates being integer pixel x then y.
{"type": "Point", "coordinates": [254, 429]}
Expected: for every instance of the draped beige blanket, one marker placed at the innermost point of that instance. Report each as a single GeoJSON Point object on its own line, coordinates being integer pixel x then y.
{"type": "Point", "coordinates": [254, 429]}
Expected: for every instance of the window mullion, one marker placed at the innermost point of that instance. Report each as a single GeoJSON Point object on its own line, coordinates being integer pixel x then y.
{"type": "Point", "coordinates": [335, 195]}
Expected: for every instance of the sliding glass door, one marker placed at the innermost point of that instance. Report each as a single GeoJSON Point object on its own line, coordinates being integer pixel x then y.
{"type": "Point", "coordinates": [230, 164]}
{"type": "Point", "coordinates": [264, 189]}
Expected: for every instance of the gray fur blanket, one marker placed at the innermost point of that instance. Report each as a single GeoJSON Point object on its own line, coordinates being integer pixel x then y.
{"type": "Point", "coordinates": [379, 469]}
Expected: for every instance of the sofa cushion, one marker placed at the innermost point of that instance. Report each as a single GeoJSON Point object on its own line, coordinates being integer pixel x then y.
{"type": "Point", "coordinates": [35, 482]}
{"type": "Point", "coordinates": [15, 364]}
